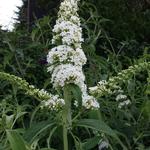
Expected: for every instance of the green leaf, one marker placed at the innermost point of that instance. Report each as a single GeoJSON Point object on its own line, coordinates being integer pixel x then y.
{"type": "Point", "coordinates": [77, 94]}
{"type": "Point", "coordinates": [77, 142]}
{"type": "Point", "coordinates": [94, 114]}
{"type": "Point", "coordinates": [16, 141]}
{"type": "Point", "coordinates": [148, 89]}
{"type": "Point", "coordinates": [90, 143]}
{"type": "Point", "coordinates": [147, 148]}
{"type": "Point", "coordinates": [9, 120]}
{"type": "Point", "coordinates": [47, 149]}
{"type": "Point", "coordinates": [146, 109]}
{"type": "Point", "coordinates": [36, 130]}
{"type": "Point", "coordinates": [99, 126]}
{"type": "Point", "coordinates": [3, 147]}
{"type": "Point", "coordinates": [96, 125]}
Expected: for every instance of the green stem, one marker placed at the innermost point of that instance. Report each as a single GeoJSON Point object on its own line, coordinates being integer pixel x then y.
{"type": "Point", "coordinates": [67, 120]}
{"type": "Point", "coordinates": [65, 137]}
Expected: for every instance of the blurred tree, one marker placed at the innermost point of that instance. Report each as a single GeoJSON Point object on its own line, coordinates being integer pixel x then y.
{"type": "Point", "coordinates": [32, 10]}
{"type": "Point", "coordinates": [129, 20]}
{"type": "Point", "coordinates": [138, 5]}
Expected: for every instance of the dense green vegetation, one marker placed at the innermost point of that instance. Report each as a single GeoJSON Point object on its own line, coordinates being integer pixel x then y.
{"type": "Point", "coordinates": [117, 35]}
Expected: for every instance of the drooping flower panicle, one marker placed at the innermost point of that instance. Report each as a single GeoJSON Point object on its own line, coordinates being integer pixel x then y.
{"type": "Point", "coordinates": [106, 87]}
{"type": "Point", "coordinates": [54, 101]}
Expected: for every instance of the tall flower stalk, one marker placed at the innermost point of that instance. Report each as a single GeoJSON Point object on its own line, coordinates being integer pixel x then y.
{"type": "Point", "coordinates": [66, 60]}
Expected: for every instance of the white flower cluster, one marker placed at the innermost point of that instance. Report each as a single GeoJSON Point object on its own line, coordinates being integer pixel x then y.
{"type": "Point", "coordinates": [122, 99]}
{"type": "Point", "coordinates": [67, 29]}
{"type": "Point", "coordinates": [42, 94]}
{"type": "Point", "coordinates": [101, 88]}
{"type": "Point", "coordinates": [67, 73]}
{"type": "Point", "coordinates": [103, 145]}
{"type": "Point", "coordinates": [54, 103]}
{"type": "Point", "coordinates": [66, 54]}
{"type": "Point", "coordinates": [51, 101]}
{"type": "Point", "coordinates": [68, 33]}
{"type": "Point", "coordinates": [124, 103]}
{"type": "Point", "coordinates": [89, 102]}
{"type": "Point", "coordinates": [104, 88]}
{"type": "Point", "coordinates": [68, 9]}
{"type": "Point", "coordinates": [67, 58]}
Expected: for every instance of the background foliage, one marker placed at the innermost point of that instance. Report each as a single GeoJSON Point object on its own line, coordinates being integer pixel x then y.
{"type": "Point", "coordinates": [116, 36]}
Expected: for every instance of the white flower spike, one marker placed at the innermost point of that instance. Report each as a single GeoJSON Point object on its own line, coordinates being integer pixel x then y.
{"type": "Point", "coordinates": [67, 58]}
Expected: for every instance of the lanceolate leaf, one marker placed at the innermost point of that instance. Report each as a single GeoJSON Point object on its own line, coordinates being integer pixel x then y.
{"type": "Point", "coordinates": [36, 130]}
{"type": "Point", "coordinates": [48, 149]}
{"type": "Point", "coordinates": [91, 143]}
{"type": "Point", "coordinates": [16, 141]}
{"type": "Point", "coordinates": [99, 126]}
{"type": "Point", "coordinates": [77, 94]}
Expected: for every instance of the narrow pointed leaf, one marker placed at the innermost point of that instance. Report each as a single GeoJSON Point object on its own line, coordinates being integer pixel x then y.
{"type": "Point", "coordinates": [16, 141]}
{"type": "Point", "coordinates": [100, 126]}
{"type": "Point", "coordinates": [90, 143]}
{"type": "Point", "coordinates": [97, 125]}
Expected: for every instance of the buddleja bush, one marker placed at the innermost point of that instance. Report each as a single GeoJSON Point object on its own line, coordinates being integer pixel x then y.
{"type": "Point", "coordinates": [62, 124]}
